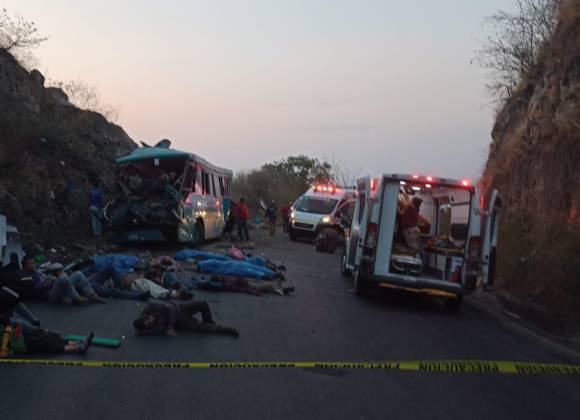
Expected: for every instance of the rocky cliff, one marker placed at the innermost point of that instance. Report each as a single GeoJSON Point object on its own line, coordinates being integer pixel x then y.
{"type": "Point", "coordinates": [534, 162]}
{"type": "Point", "coordinates": [49, 149]}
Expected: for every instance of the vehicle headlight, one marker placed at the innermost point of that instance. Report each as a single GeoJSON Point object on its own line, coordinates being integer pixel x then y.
{"type": "Point", "coordinates": [292, 215]}
{"type": "Point", "coordinates": [326, 219]}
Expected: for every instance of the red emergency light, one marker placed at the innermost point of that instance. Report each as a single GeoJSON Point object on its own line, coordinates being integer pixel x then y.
{"type": "Point", "coordinates": [465, 182]}
{"type": "Point", "coordinates": [324, 188]}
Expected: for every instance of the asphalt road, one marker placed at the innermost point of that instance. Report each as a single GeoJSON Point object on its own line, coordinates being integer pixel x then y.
{"type": "Point", "coordinates": [322, 321]}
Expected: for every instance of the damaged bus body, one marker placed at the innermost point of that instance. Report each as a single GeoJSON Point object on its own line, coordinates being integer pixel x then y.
{"type": "Point", "coordinates": [454, 244]}
{"type": "Point", "coordinates": [168, 195]}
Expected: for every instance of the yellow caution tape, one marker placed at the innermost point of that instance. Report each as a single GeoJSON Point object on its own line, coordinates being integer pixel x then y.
{"type": "Point", "coordinates": [445, 366]}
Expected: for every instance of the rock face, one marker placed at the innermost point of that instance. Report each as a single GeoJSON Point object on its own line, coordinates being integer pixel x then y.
{"type": "Point", "coordinates": [49, 150]}
{"type": "Point", "coordinates": [534, 161]}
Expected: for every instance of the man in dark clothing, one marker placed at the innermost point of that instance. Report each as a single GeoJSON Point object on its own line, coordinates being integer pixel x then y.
{"type": "Point", "coordinates": [159, 318]}
{"type": "Point", "coordinates": [271, 216]}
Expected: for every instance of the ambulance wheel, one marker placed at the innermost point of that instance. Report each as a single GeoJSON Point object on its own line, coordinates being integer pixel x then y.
{"type": "Point", "coordinates": [292, 236]}
{"type": "Point", "coordinates": [360, 284]}
{"type": "Point", "coordinates": [453, 305]}
{"type": "Point", "coordinates": [343, 268]}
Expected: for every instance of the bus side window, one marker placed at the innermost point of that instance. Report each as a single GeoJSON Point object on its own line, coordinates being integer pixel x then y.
{"type": "Point", "coordinates": [214, 189]}
{"type": "Point", "coordinates": [206, 190]}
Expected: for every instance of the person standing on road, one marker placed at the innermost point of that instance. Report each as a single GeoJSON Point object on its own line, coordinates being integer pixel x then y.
{"type": "Point", "coordinates": [285, 213]}
{"type": "Point", "coordinates": [242, 215]}
{"type": "Point", "coordinates": [165, 318]}
{"type": "Point", "coordinates": [271, 216]}
{"type": "Point", "coordinates": [95, 207]}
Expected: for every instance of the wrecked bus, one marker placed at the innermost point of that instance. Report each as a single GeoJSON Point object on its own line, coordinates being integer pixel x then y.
{"type": "Point", "coordinates": [165, 194]}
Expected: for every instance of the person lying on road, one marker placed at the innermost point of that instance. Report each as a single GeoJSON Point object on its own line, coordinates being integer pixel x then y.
{"type": "Point", "coordinates": [142, 284]}
{"type": "Point", "coordinates": [100, 278]}
{"type": "Point", "coordinates": [159, 318]}
{"type": "Point", "coordinates": [22, 337]}
{"type": "Point", "coordinates": [58, 286]}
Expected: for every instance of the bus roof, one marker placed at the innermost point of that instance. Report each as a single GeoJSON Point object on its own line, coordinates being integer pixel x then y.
{"type": "Point", "coordinates": [145, 153]}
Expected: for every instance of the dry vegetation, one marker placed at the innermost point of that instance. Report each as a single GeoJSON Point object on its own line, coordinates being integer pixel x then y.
{"type": "Point", "coordinates": [535, 163]}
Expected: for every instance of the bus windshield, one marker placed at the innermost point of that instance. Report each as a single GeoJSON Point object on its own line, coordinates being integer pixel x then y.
{"type": "Point", "coordinates": [316, 205]}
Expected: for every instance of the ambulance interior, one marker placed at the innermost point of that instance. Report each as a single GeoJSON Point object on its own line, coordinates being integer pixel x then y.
{"type": "Point", "coordinates": [443, 225]}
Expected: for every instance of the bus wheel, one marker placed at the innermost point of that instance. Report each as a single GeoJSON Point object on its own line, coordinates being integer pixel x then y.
{"type": "Point", "coordinates": [360, 285]}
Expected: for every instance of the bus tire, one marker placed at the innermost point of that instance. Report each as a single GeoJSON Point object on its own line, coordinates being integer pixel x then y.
{"type": "Point", "coordinates": [360, 284]}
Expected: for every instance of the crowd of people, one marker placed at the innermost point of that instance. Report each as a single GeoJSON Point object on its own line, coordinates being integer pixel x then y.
{"type": "Point", "coordinates": [88, 282]}
{"type": "Point", "coordinates": [239, 217]}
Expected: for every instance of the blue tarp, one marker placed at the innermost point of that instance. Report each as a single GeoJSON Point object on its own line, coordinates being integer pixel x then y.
{"type": "Point", "coordinates": [123, 263]}
{"type": "Point", "coordinates": [236, 268]}
{"type": "Point", "coordinates": [257, 260]}
{"type": "Point", "coordinates": [187, 254]}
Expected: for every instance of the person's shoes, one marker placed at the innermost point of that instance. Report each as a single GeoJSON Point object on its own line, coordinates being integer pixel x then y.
{"type": "Point", "coordinates": [85, 344]}
{"type": "Point", "coordinates": [80, 300]}
{"type": "Point", "coordinates": [97, 299]}
{"type": "Point", "coordinates": [230, 331]}
{"type": "Point", "coordinates": [288, 289]}
{"type": "Point", "coordinates": [279, 291]}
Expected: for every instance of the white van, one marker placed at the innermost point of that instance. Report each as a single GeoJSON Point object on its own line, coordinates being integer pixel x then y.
{"type": "Point", "coordinates": [321, 207]}
{"type": "Point", "coordinates": [456, 246]}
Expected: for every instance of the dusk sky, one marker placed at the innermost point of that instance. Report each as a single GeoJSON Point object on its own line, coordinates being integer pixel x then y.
{"type": "Point", "coordinates": [381, 86]}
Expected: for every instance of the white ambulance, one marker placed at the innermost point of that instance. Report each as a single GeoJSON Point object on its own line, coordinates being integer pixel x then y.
{"type": "Point", "coordinates": [322, 207]}
{"type": "Point", "coordinates": [456, 246]}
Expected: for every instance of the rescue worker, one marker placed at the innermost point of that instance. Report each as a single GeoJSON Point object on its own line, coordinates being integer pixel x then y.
{"type": "Point", "coordinates": [242, 216]}
{"type": "Point", "coordinates": [285, 213]}
{"type": "Point", "coordinates": [409, 218]}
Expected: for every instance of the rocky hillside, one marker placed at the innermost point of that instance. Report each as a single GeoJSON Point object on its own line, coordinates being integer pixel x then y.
{"type": "Point", "coordinates": [534, 162]}
{"type": "Point", "coordinates": [49, 149]}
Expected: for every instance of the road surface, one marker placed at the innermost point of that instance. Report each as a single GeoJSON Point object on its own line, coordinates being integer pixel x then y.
{"type": "Point", "coordinates": [322, 321]}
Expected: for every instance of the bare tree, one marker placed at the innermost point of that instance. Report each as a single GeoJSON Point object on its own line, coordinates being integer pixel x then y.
{"type": "Point", "coordinates": [513, 47]}
{"type": "Point", "coordinates": [339, 172]}
{"type": "Point", "coordinates": [86, 97]}
{"type": "Point", "coordinates": [17, 34]}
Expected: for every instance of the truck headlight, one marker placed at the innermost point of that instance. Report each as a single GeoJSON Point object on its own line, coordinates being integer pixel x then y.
{"type": "Point", "coordinates": [326, 219]}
